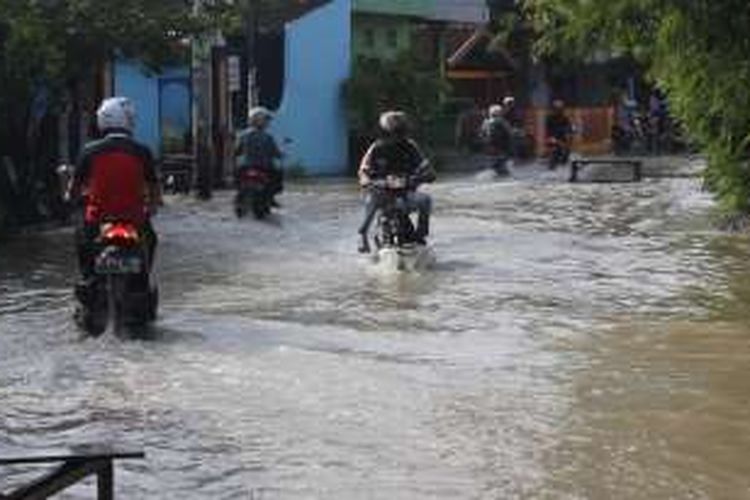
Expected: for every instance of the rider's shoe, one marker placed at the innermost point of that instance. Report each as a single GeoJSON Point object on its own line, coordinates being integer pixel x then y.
{"type": "Point", "coordinates": [364, 244]}
{"type": "Point", "coordinates": [420, 240]}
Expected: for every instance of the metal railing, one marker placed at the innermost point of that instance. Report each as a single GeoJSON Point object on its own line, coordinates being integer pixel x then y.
{"type": "Point", "coordinates": [76, 465]}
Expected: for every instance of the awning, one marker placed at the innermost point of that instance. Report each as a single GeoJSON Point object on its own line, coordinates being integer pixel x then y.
{"type": "Point", "coordinates": [477, 59]}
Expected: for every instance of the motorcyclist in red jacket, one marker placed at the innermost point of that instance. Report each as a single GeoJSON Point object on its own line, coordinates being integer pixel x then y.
{"type": "Point", "coordinates": [115, 179]}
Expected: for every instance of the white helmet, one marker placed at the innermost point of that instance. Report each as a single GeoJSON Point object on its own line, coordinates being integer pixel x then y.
{"type": "Point", "coordinates": [258, 113]}
{"type": "Point", "coordinates": [394, 121]}
{"type": "Point", "coordinates": [116, 113]}
{"type": "Point", "coordinates": [495, 111]}
{"type": "Point", "coordinates": [509, 101]}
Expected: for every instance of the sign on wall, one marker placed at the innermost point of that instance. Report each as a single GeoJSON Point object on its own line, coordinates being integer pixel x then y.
{"type": "Point", "coordinates": [233, 70]}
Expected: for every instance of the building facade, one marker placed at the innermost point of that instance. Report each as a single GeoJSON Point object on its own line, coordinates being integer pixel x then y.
{"type": "Point", "coordinates": [386, 28]}
{"type": "Point", "coordinates": [383, 29]}
{"type": "Point", "coordinates": [303, 62]}
{"type": "Point", "coordinates": [162, 101]}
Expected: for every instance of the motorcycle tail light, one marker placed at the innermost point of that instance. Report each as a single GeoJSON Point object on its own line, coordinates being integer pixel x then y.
{"type": "Point", "coordinates": [120, 233]}
{"type": "Point", "coordinates": [254, 174]}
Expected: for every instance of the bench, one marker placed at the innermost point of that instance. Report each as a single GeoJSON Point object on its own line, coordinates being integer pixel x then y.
{"type": "Point", "coordinates": [76, 464]}
{"type": "Point", "coordinates": [636, 165]}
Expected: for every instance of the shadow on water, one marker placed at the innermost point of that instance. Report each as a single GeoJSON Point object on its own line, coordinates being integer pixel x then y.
{"type": "Point", "coordinates": [453, 266]}
{"type": "Point", "coordinates": [274, 220]}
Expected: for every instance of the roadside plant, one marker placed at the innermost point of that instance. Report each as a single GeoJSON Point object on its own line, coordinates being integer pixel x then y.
{"type": "Point", "coordinates": [51, 54]}
{"type": "Point", "coordinates": [697, 51]}
{"type": "Point", "coordinates": [377, 85]}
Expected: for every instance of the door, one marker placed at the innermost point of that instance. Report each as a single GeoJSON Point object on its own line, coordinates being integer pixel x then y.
{"type": "Point", "coordinates": [175, 116]}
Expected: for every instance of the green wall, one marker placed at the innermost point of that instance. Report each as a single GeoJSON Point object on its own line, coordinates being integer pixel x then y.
{"type": "Point", "coordinates": [385, 28]}
{"type": "Point", "coordinates": [418, 8]}
{"type": "Point", "coordinates": [382, 37]}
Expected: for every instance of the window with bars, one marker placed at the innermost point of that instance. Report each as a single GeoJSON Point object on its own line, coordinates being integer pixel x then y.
{"type": "Point", "coordinates": [392, 38]}
{"type": "Point", "coordinates": [368, 37]}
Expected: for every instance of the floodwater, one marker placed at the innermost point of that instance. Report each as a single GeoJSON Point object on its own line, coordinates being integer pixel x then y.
{"type": "Point", "coordinates": [587, 341]}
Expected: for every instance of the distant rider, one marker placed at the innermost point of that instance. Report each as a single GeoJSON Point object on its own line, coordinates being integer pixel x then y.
{"type": "Point", "coordinates": [511, 113]}
{"type": "Point", "coordinates": [256, 148]}
{"type": "Point", "coordinates": [497, 134]}
{"type": "Point", "coordinates": [395, 153]}
{"type": "Point", "coordinates": [514, 118]}
{"type": "Point", "coordinates": [559, 134]}
{"type": "Point", "coordinates": [115, 179]}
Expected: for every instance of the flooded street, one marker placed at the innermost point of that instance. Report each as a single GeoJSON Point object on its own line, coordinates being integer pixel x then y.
{"type": "Point", "coordinates": [581, 341]}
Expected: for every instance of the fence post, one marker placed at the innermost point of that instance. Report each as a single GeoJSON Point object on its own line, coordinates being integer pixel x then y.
{"type": "Point", "coordinates": [574, 171]}
{"type": "Point", "coordinates": [105, 481]}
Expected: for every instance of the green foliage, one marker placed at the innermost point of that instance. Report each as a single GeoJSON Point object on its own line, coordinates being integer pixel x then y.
{"type": "Point", "coordinates": [698, 51]}
{"type": "Point", "coordinates": [47, 46]}
{"type": "Point", "coordinates": [377, 86]}
{"type": "Point", "coordinates": [53, 41]}
{"type": "Point", "coordinates": [233, 15]}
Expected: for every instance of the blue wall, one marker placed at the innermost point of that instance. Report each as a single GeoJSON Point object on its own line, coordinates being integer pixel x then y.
{"type": "Point", "coordinates": [312, 112]}
{"type": "Point", "coordinates": [131, 80]}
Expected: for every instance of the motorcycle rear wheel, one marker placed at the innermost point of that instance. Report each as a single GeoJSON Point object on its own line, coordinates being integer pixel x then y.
{"type": "Point", "coordinates": [261, 207]}
{"type": "Point", "coordinates": [240, 205]}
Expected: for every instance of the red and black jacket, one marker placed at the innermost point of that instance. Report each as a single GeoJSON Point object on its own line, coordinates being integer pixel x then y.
{"type": "Point", "coordinates": [114, 174]}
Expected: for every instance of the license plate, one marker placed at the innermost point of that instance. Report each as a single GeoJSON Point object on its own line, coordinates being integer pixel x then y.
{"type": "Point", "coordinates": [118, 264]}
{"type": "Point", "coordinates": [394, 182]}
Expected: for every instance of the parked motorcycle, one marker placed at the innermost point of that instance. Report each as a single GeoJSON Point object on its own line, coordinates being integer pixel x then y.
{"type": "Point", "coordinates": [253, 193]}
{"type": "Point", "coordinates": [635, 136]}
{"type": "Point", "coordinates": [119, 296]}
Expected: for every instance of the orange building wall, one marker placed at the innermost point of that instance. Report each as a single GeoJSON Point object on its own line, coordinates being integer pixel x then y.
{"type": "Point", "coordinates": [593, 127]}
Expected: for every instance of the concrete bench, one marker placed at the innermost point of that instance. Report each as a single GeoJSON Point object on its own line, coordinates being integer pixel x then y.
{"type": "Point", "coordinates": [636, 165]}
{"type": "Point", "coordinates": [76, 464]}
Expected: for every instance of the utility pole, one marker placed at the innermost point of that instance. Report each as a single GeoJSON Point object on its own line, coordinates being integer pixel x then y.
{"type": "Point", "coordinates": [252, 11]}
{"type": "Point", "coordinates": [201, 83]}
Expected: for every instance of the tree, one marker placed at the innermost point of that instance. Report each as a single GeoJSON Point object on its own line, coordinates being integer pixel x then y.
{"type": "Point", "coordinates": [48, 46]}
{"type": "Point", "coordinates": [697, 51]}
{"type": "Point", "coordinates": [376, 86]}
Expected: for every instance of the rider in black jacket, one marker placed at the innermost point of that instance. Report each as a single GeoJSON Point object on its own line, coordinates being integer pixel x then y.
{"type": "Point", "coordinates": [255, 147]}
{"type": "Point", "coordinates": [559, 134]}
{"type": "Point", "coordinates": [395, 154]}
